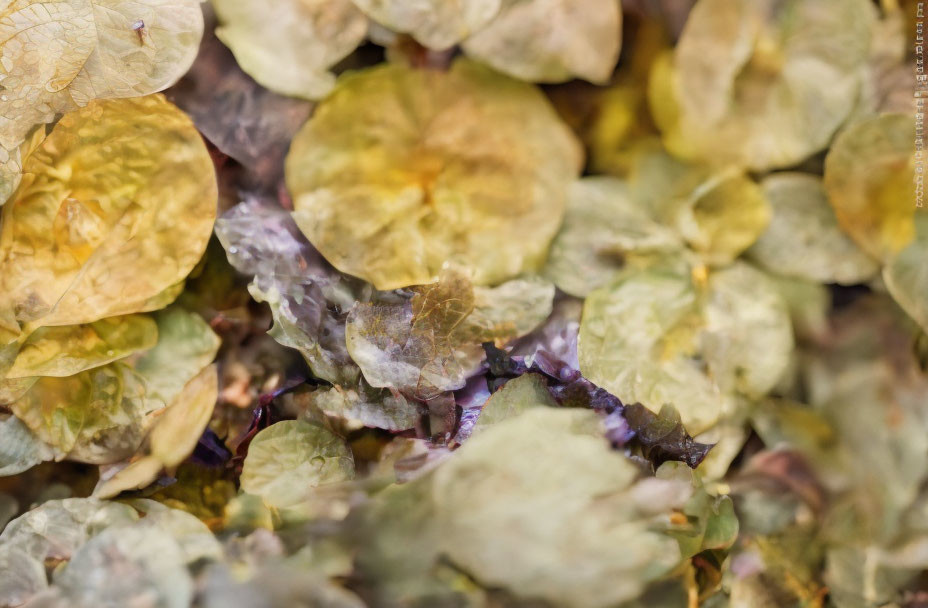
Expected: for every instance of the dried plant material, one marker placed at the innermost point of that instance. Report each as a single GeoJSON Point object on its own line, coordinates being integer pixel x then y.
{"type": "Point", "coordinates": [424, 362]}
{"type": "Point", "coordinates": [906, 274]}
{"type": "Point", "coordinates": [605, 228]}
{"type": "Point", "coordinates": [101, 239]}
{"type": "Point", "coordinates": [96, 416]}
{"type": "Point", "coordinates": [304, 293]}
{"type": "Point", "coordinates": [718, 212]}
{"type": "Point", "coordinates": [662, 336]}
{"type": "Point", "coordinates": [290, 45]}
{"type": "Point", "coordinates": [551, 40]}
{"type": "Point", "coordinates": [288, 459]}
{"type": "Point", "coordinates": [759, 83]}
{"type": "Point", "coordinates": [173, 436]}
{"type": "Point", "coordinates": [430, 343]}
{"type": "Point", "coordinates": [20, 449]}
{"type": "Point", "coordinates": [240, 117]}
{"type": "Point", "coordinates": [91, 410]}
{"type": "Point", "coordinates": [71, 349]}
{"type": "Point", "coordinates": [58, 56]}
{"type": "Point", "coordinates": [437, 24]}
{"type": "Point", "coordinates": [363, 406]}
{"type": "Point", "coordinates": [400, 171]}
{"type": "Point", "coordinates": [869, 178]}
{"type": "Point", "coordinates": [804, 240]}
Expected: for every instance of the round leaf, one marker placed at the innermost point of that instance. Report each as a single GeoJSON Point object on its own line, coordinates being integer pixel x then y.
{"type": "Point", "coordinates": [870, 181]}
{"type": "Point", "coordinates": [803, 240]}
{"type": "Point", "coordinates": [402, 170]}
{"type": "Point", "coordinates": [758, 82]}
{"type": "Point", "coordinates": [521, 41]}
{"type": "Point", "coordinates": [289, 45]}
{"type": "Point", "coordinates": [288, 459]}
{"type": "Point", "coordinates": [93, 231]}
{"type": "Point", "coordinates": [437, 24]}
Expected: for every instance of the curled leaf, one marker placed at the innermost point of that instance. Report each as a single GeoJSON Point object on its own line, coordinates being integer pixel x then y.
{"type": "Point", "coordinates": [172, 438]}
{"type": "Point", "coordinates": [307, 297]}
{"type": "Point", "coordinates": [179, 428]}
{"type": "Point", "coordinates": [662, 435]}
{"type": "Point", "coordinates": [401, 170]}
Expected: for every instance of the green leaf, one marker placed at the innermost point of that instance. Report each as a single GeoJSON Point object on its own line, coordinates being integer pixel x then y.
{"type": "Point", "coordinates": [71, 349]}
{"type": "Point", "coordinates": [605, 228]}
{"type": "Point", "coordinates": [531, 510]}
{"type": "Point", "coordinates": [665, 336]}
{"type": "Point", "coordinates": [96, 416]}
{"type": "Point", "coordinates": [516, 396]}
{"type": "Point", "coordinates": [748, 337]}
{"type": "Point", "coordinates": [186, 345]}
{"type": "Point", "coordinates": [718, 212]}
{"type": "Point", "coordinates": [636, 338]}
{"type": "Point", "coordinates": [287, 460]}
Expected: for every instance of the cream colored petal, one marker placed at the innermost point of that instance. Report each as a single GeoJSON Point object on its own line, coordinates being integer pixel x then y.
{"type": "Point", "coordinates": [289, 45]}
{"type": "Point", "coordinates": [437, 24]}
{"type": "Point", "coordinates": [551, 40]}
